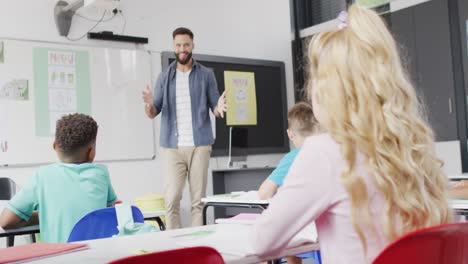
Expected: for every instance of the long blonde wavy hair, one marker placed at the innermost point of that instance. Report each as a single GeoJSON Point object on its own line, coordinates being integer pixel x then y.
{"type": "Point", "coordinates": [372, 107]}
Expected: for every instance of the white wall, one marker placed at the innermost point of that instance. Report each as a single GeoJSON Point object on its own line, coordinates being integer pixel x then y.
{"type": "Point", "coordinates": [250, 29]}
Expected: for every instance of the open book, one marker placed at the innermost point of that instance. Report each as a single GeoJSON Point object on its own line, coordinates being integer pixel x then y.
{"type": "Point", "coordinates": [234, 239]}
{"type": "Point", "coordinates": [23, 253]}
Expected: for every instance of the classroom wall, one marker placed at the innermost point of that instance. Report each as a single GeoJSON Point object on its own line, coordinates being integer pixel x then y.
{"type": "Point", "coordinates": [221, 27]}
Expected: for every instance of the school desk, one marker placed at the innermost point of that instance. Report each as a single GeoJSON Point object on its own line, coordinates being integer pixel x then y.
{"type": "Point", "coordinates": [235, 199]}
{"type": "Point", "coordinates": [12, 232]}
{"type": "Point", "coordinates": [460, 206]}
{"type": "Point", "coordinates": [31, 230]}
{"type": "Point", "coordinates": [108, 249]}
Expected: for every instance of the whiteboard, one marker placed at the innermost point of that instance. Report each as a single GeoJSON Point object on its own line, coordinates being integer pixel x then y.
{"type": "Point", "coordinates": [113, 85]}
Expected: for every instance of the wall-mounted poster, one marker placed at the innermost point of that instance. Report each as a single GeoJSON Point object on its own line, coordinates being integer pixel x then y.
{"type": "Point", "coordinates": [241, 98]}
{"type": "Point", "coordinates": [16, 89]}
{"type": "Point", "coordinates": [62, 87]}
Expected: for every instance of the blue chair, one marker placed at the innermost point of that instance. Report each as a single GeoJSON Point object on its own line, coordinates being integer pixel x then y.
{"type": "Point", "coordinates": [100, 223]}
{"type": "Point", "coordinates": [313, 254]}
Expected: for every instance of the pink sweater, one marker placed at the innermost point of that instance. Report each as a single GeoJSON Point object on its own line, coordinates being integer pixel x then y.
{"type": "Point", "coordinates": [312, 191]}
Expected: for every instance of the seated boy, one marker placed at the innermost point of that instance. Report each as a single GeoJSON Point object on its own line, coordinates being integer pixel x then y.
{"type": "Point", "coordinates": [301, 123]}
{"type": "Point", "coordinates": [63, 192]}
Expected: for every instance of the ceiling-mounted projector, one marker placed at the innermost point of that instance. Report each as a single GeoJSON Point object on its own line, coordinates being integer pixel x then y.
{"type": "Point", "coordinates": [64, 11]}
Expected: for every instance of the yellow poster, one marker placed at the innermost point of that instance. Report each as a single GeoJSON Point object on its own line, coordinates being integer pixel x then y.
{"type": "Point", "coordinates": [241, 98]}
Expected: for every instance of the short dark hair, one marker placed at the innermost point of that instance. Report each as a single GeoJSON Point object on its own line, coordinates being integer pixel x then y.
{"type": "Point", "coordinates": [75, 131]}
{"type": "Point", "coordinates": [302, 120]}
{"type": "Point", "coordinates": [182, 31]}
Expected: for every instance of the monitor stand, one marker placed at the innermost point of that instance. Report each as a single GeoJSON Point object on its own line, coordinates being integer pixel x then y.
{"type": "Point", "coordinates": [236, 161]}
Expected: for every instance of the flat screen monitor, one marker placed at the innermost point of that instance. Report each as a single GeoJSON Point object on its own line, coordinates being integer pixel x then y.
{"type": "Point", "coordinates": [269, 134]}
{"type": "Point", "coordinates": [239, 144]}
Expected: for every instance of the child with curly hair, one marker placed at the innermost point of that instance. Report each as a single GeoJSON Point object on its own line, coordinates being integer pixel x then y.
{"type": "Point", "coordinates": [58, 195]}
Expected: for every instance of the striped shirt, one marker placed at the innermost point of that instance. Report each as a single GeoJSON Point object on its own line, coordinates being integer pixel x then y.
{"type": "Point", "coordinates": [204, 96]}
{"type": "Point", "coordinates": [183, 110]}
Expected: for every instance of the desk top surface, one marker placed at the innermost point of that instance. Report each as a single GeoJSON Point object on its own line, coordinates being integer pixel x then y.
{"type": "Point", "coordinates": [244, 169]}
{"type": "Point", "coordinates": [19, 231]}
{"type": "Point", "coordinates": [212, 200]}
{"type": "Point", "coordinates": [35, 228]}
{"type": "Point", "coordinates": [460, 204]}
{"type": "Point", "coordinates": [108, 249]}
{"type": "Point", "coordinates": [250, 197]}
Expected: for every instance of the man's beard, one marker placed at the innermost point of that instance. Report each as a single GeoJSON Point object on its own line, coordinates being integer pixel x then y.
{"type": "Point", "coordinates": [184, 61]}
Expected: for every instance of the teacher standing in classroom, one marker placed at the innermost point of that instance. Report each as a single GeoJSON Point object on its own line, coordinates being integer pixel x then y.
{"type": "Point", "coordinates": [184, 93]}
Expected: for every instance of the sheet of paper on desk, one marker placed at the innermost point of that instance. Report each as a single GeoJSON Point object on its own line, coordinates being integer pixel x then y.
{"type": "Point", "coordinates": [250, 195]}
{"type": "Point", "coordinates": [236, 197]}
{"type": "Point", "coordinates": [234, 239]}
{"type": "Point", "coordinates": [241, 195]}
{"type": "Point", "coordinates": [222, 240]}
{"type": "Point", "coordinates": [242, 218]}
{"type": "Point", "coordinates": [459, 203]}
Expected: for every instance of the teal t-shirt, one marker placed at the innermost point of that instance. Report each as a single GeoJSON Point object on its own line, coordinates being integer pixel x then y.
{"type": "Point", "coordinates": [278, 175]}
{"type": "Point", "coordinates": [63, 193]}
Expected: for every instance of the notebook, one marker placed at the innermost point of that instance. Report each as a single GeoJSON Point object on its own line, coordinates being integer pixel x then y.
{"type": "Point", "coordinates": [23, 253]}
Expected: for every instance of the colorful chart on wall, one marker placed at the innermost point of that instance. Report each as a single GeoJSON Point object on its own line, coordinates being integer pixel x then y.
{"type": "Point", "coordinates": [62, 86]}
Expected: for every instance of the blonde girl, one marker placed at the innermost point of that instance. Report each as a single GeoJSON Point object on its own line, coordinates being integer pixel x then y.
{"type": "Point", "coordinates": [375, 175]}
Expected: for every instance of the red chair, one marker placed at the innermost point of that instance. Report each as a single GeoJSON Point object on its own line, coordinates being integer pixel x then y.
{"type": "Point", "coordinates": [444, 244]}
{"type": "Point", "coordinates": [193, 255]}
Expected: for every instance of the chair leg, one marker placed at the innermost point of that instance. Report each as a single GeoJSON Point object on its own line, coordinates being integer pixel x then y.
{"type": "Point", "coordinates": [10, 241]}
{"type": "Point", "coordinates": [162, 227]}
{"type": "Point", "coordinates": [33, 238]}
{"type": "Point", "coordinates": [318, 257]}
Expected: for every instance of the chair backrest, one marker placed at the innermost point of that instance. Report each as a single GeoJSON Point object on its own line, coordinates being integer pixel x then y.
{"type": "Point", "coordinates": [193, 255]}
{"type": "Point", "coordinates": [100, 223]}
{"type": "Point", "coordinates": [434, 245]}
{"type": "Point", "coordinates": [7, 188]}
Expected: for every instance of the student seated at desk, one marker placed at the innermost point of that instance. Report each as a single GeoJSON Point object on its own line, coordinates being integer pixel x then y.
{"type": "Point", "coordinates": [301, 124]}
{"type": "Point", "coordinates": [374, 176]}
{"type": "Point", "coordinates": [63, 192]}
{"type": "Point", "coordinates": [459, 190]}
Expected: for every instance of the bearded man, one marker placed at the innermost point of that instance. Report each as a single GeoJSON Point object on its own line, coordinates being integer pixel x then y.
{"type": "Point", "coordinates": [183, 94]}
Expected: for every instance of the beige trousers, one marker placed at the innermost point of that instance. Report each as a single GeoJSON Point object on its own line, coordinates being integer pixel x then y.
{"type": "Point", "coordinates": [191, 164]}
